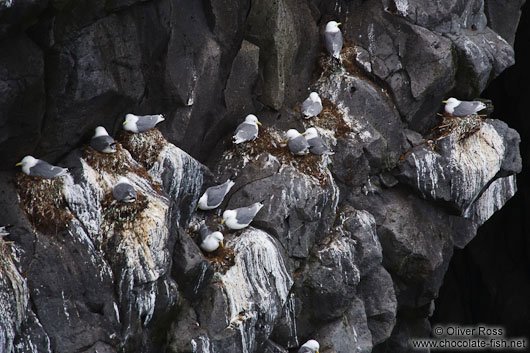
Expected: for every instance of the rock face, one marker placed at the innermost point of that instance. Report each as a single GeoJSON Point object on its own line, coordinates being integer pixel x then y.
{"type": "Point", "coordinates": [349, 249]}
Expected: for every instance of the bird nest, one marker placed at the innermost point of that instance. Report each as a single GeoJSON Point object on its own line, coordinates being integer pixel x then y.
{"type": "Point", "coordinates": [43, 202]}
{"type": "Point", "coordinates": [331, 118]}
{"type": "Point", "coordinates": [221, 259]}
{"type": "Point", "coordinates": [145, 147]}
{"type": "Point", "coordinates": [460, 126]}
{"type": "Point", "coordinates": [270, 141]}
{"type": "Point", "coordinates": [121, 215]}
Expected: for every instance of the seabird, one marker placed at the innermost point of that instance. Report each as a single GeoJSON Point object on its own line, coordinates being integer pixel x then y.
{"type": "Point", "coordinates": [297, 143]}
{"type": "Point", "coordinates": [333, 39]}
{"type": "Point", "coordinates": [141, 123]}
{"type": "Point", "coordinates": [240, 218]}
{"type": "Point", "coordinates": [457, 107]}
{"type": "Point", "coordinates": [36, 167]}
{"type": "Point", "coordinates": [214, 195]}
{"type": "Point", "coordinates": [102, 142]}
{"type": "Point", "coordinates": [312, 106]}
{"type": "Point", "coordinates": [247, 130]}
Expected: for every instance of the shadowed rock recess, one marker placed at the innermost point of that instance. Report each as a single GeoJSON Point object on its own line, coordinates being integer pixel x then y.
{"type": "Point", "coordinates": [349, 249]}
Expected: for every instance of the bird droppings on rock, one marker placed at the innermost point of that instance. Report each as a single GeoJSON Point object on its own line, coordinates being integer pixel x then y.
{"type": "Point", "coordinates": [331, 118]}
{"type": "Point", "coordinates": [144, 147]}
{"type": "Point", "coordinates": [121, 215]}
{"type": "Point", "coordinates": [43, 202]}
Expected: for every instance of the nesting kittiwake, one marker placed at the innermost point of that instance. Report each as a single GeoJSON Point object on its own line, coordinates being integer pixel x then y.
{"type": "Point", "coordinates": [333, 38]}
{"type": "Point", "coordinates": [141, 123]}
{"type": "Point", "coordinates": [312, 106]}
{"type": "Point", "coordinates": [102, 142]}
{"type": "Point", "coordinates": [316, 144]}
{"type": "Point", "coordinates": [210, 241]}
{"type": "Point", "coordinates": [457, 107]}
{"type": "Point", "coordinates": [124, 191]}
{"type": "Point", "coordinates": [214, 195]}
{"type": "Point", "coordinates": [297, 143]}
{"type": "Point", "coordinates": [36, 167]}
{"type": "Point", "coordinates": [247, 130]}
{"type": "Point", "coordinates": [241, 217]}
{"type": "Point", "coordinates": [310, 346]}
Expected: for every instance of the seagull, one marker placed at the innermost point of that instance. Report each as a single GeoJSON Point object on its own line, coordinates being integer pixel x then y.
{"type": "Point", "coordinates": [214, 195]}
{"type": "Point", "coordinates": [36, 167]}
{"type": "Point", "coordinates": [124, 191]}
{"type": "Point", "coordinates": [210, 241]}
{"type": "Point", "coordinates": [241, 217]}
{"type": "Point", "coordinates": [316, 144]}
{"type": "Point", "coordinates": [312, 106]}
{"type": "Point", "coordinates": [102, 142]}
{"type": "Point", "coordinates": [333, 39]}
{"type": "Point", "coordinates": [297, 143]}
{"type": "Point", "coordinates": [457, 107]}
{"type": "Point", "coordinates": [310, 346]}
{"type": "Point", "coordinates": [247, 130]}
{"type": "Point", "coordinates": [141, 123]}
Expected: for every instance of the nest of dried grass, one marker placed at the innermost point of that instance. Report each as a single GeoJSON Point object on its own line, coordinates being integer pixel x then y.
{"type": "Point", "coordinates": [145, 147]}
{"type": "Point", "coordinates": [460, 126]}
{"type": "Point", "coordinates": [270, 141]}
{"type": "Point", "coordinates": [221, 259]}
{"type": "Point", "coordinates": [121, 215]}
{"type": "Point", "coordinates": [43, 202]}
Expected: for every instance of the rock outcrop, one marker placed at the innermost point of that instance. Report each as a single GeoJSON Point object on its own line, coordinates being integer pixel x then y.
{"type": "Point", "coordinates": [349, 248]}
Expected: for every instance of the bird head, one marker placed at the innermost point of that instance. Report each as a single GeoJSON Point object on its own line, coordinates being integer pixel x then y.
{"type": "Point", "coordinates": [315, 97]}
{"type": "Point", "coordinates": [333, 26]}
{"type": "Point", "coordinates": [310, 133]}
{"type": "Point", "coordinates": [27, 161]}
{"type": "Point", "coordinates": [101, 131]}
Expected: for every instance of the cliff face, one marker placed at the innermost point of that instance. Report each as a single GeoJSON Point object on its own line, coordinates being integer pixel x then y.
{"type": "Point", "coordinates": [349, 249]}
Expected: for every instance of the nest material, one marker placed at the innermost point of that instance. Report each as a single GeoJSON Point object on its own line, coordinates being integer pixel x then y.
{"type": "Point", "coordinates": [460, 126]}
{"type": "Point", "coordinates": [145, 147]}
{"type": "Point", "coordinates": [221, 259]}
{"type": "Point", "coordinates": [121, 215]}
{"type": "Point", "coordinates": [43, 202]}
{"type": "Point", "coordinates": [268, 142]}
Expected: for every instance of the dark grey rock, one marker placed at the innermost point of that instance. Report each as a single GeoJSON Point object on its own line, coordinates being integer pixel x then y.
{"type": "Point", "coordinates": [498, 11]}
{"type": "Point", "coordinates": [22, 99]}
{"type": "Point", "coordinates": [238, 91]}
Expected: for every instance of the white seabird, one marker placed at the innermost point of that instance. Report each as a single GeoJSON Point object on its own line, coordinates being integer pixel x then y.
{"type": "Point", "coordinates": [36, 167]}
{"type": "Point", "coordinates": [457, 107]}
{"type": "Point", "coordinates": [102, 142]}
{"type": "Point", "coordinates": [312, 106]}
{"type": "Point", "coordinates": [240, 218]}
{"type": "Point", "coordinates": [214, 195]}
{"type": "Point", "coordinates": [333, 38]}
{"type": "Point", "coordinates": [210, 241]}
{"type": "Point", "coordinates": [247, 130]}
{"type": "Point", "coordinates": [297, 143]}
{"type": "Point", "coordinates": [310, 346]}
{"type": "Point", "coordinates": [316, 144]}
{"type": "Point", "coordinates": [141, 123]}
{"type": "Point", "coordinates": [123, 191]}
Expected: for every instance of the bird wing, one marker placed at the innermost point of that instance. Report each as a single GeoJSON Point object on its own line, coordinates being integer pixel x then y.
{"type": "Point", "coordinates": [468, 108]}
{"type": "Point", "coordinates": [46, 170]}
{"type": "Point", "coordinates": [204, 232]}
{"type": "Point", "coordinates": [124, 191]}
{"type": "Point", "coordinates": [101, 142]}
{"type": "Point", "coordinates": [216, 194]}
{"type": "Point", "coordinates": [147, 122]}
{"type": "Point", "coordinates": [305, 350]}
{"type": "Point", "coordinates": [318, 146]}
{"type": "Point", "coordinates": [245, 132]}
{"type": "Point", "coordinates": [306, 107]}
{"type": "Point", "coordinates": [299, 145]}
{"type": "Point", "coordinates": [334, 43]}
{"type": "Point", "coordinates": [245, 215]}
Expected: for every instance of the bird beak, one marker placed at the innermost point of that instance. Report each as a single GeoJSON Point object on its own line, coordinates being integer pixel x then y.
{"type": "Point", "coordinates": [338, 24]}
{"type": "Point", "coordinates": [258, 123]}
{"type": "Point", "coordinates": [221, 243]}
{"type": "Point", "coordinates": [303, 134]}
{"type": "Point", "coordinates": [223, 221]}
{"type": "Point", "coordinates": [286, 141]}
{"type": "Point", "coordinates": [18, 164]}
{"type": "Point", "coordinates": [444, 102]}
{"type": "Point", "coordinates": [124, 122]}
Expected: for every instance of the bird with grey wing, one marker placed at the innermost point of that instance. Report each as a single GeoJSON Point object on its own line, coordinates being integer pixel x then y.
{"type": "Point", "coordinates": [214, 195]}
{"type": "Point", "coordinates": [457, 107]}
{"type": "Point", "coordinates": [140, 123]}
{"type": "Point", "coordinates": [312, 106]}
{"type": "Point", "coordinates": [123, 191]}
{"type": "Point", "coordinates": [210, 241]}
{"type": "Point", "coordinates": [310, 346]}
{"type": "Point", "coordinates": [333, 39]}
{"type": "Point", "coordinates": [297, 143]}
{"type": "Point", "coordinates": [316, 144]}
{"type": "Point", "coordinates": [102, 142]}
{"type": "Point", "coordinates": [247, 130]}
{"type": "Point", "coordinates": [36, 167]}
{"type": "Point", "coordinates": [240, 218]}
